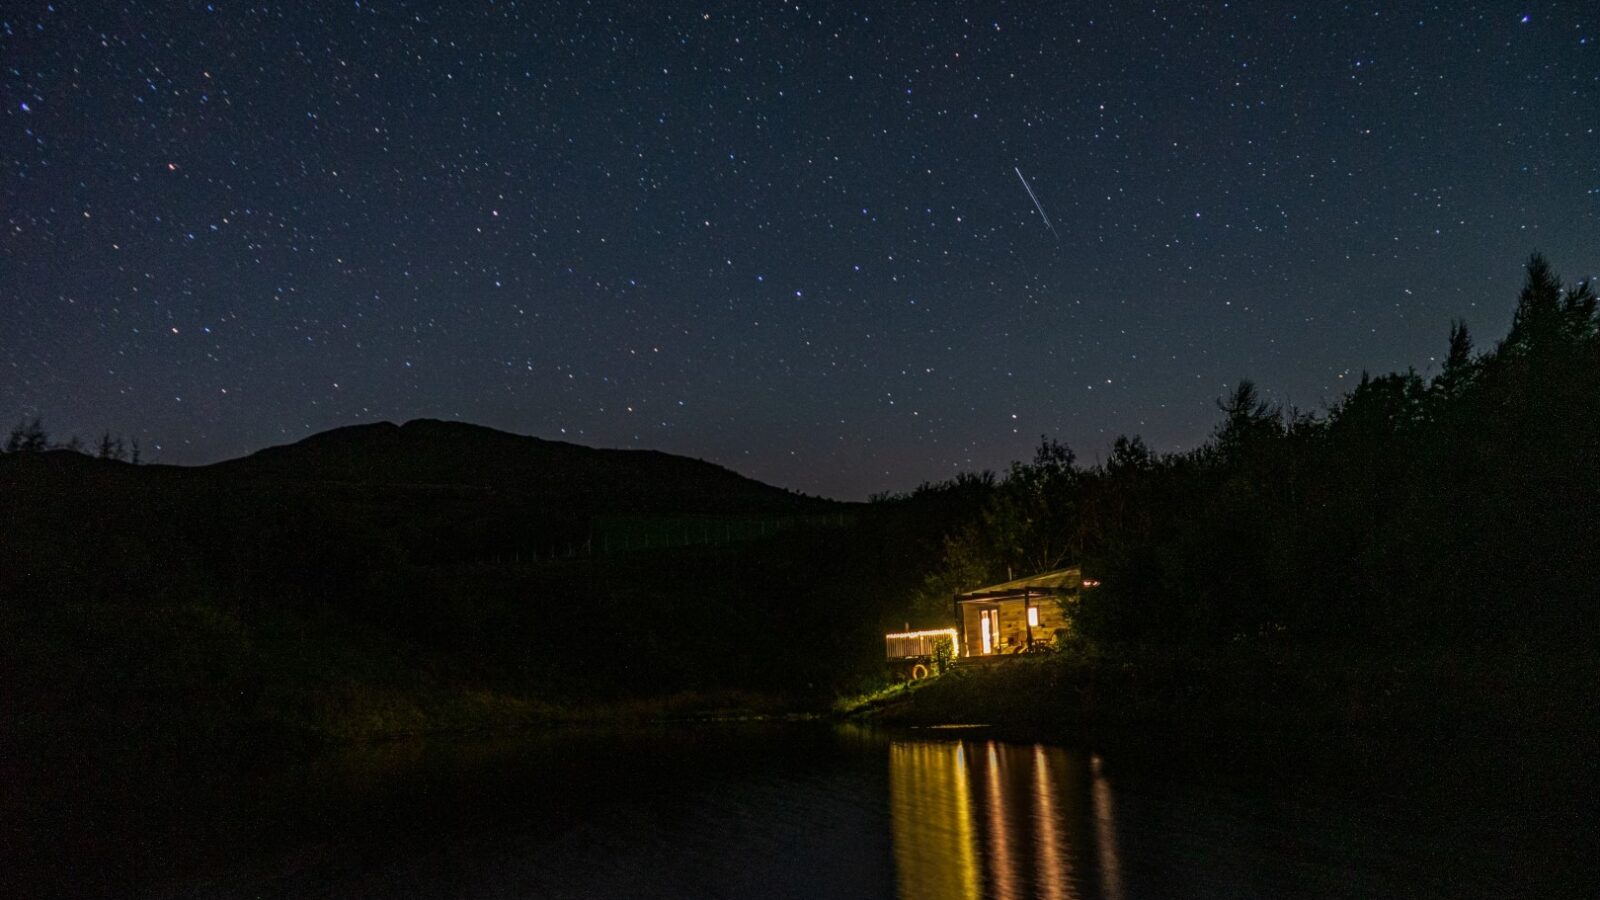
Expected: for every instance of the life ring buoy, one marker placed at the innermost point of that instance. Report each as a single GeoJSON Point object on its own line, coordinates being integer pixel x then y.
{"type": "Point", "coordinates": [919, 672]}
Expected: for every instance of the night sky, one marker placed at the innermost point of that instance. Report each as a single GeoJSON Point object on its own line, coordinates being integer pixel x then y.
{"type": "Point", "coordinates": [791, 239]}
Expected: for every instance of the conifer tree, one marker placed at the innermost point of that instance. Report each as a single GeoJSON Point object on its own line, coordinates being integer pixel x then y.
{"type": "Point", "coordinates": [1459, 367]}
{"type": "Point", "coordinates": [28, 437]}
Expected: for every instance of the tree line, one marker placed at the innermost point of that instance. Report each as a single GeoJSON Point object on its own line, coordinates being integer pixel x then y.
{"type": "Point", "coordinates": [1457, 509]}
{"type": "Point", "coordinates": [29, 436]}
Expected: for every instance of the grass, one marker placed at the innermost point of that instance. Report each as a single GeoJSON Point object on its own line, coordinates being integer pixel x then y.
{"type": "Point", "coordinates": [1439, 693]}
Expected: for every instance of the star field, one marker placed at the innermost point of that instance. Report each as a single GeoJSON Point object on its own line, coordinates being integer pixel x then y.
{"type": "Point", "coordinates": [788, 238]}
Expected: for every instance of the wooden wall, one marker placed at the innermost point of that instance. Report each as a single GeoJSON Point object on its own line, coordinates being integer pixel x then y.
{"type": "Point", "coordinates": [1051, 617]}
{"type": "Point", "coordinates": [1013, 623]}
{"type": "Point", "coordinates": [971, 633]}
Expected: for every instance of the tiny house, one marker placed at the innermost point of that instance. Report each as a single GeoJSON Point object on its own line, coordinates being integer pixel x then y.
{"type": "Point", "coordinates": [1016, 616]}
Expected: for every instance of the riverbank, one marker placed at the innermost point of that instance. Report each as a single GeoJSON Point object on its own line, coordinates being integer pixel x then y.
{"type": "Point", "coordinates": [85, 678]}
{"type": "Point", "coordinates": [356, 715]}
{"type": "Point", "coordinates": [1515, 695]}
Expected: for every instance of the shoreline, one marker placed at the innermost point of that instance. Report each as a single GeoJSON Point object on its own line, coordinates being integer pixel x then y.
{"type": "Point", "coordinates": [1079, 699]}
{"type": "Point", "coordinates": [1473, 696]}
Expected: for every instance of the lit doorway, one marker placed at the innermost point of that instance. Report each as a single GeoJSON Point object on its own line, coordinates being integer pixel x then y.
{"type": "Point", "coordinates": [989, 620]}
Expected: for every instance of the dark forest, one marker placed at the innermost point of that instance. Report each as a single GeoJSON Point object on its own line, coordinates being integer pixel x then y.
{"type": "Point", "coordinates": [1422, 537]}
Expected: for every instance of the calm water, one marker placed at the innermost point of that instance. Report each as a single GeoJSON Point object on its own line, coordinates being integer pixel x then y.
{"type": "Point", "coordinates": [800, 811]}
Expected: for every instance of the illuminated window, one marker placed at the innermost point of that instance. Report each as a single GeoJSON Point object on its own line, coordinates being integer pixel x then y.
{"type": "Point", "coordinates": [988, 635]}
{"type": "Point", "coordinates": [1033, 617]}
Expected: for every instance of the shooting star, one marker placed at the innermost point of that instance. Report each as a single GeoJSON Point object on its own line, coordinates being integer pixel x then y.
{"type": "Point", "coordinates": [1036, 204]}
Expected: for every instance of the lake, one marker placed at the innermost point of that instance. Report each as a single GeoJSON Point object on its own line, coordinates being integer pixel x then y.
{"type": "Point", "coordinates": [802, 810]}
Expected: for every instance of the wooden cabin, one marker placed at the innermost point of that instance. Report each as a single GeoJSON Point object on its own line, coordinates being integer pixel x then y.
{"type": "Point", "coordinates": [1016, 616]}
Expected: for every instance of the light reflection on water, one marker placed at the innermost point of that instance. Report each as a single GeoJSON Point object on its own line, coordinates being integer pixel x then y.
{"type": "Point", "coordinates": [930, 805]}
{"type": "Point", "coordinates": [987, 819]}
{"type": "Point", "coordinates": [771, 812]}
{"type": "Point", "coordinates": [1105, 831]}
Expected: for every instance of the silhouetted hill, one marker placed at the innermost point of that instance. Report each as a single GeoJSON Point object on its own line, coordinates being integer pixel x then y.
{"type": "Point", "coordinates": [428, 452]}
{"type": "Point", "coordinates": [385, 579]}
{"type": "Point", "coordinates": [423, 493]}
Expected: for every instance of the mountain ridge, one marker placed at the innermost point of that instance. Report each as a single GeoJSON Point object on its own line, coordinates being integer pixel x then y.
{"type": "Point", "coordinates": [437, 453]}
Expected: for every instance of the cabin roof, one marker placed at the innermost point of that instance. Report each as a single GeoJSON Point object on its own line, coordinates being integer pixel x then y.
{"type": "Point", "coordinates": [1068, 579]}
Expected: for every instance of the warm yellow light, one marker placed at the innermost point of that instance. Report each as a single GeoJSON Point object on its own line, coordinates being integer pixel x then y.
{"type": "Point", "coordinates": [911, 634]}
{"type": "Point", "coordinates": [931, 820]}
{"type": "Point", "coordinates": [1090, 582]}
{"type": "Point", "coordinates": [955, 646]}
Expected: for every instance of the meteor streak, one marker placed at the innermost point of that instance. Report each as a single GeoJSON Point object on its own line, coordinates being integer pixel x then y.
{"type": "Point", "coordinates": [1036, 204]}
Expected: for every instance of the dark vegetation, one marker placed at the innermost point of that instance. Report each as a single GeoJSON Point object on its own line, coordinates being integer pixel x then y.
{"type": "Point", "coordinates": [1454, 510]}
{"type": "Point", "coordinates": [383, 580]}
{"type": "Point", "coordinates": [1423, 548]}
{"type": "Point", "coordinates": [1421, 540]}
{"type": "Point", "coordinates": [29, 436]}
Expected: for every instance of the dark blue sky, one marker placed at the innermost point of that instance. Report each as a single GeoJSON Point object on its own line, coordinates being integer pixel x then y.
{"type": "Point", "coordinates": [786, 238]}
